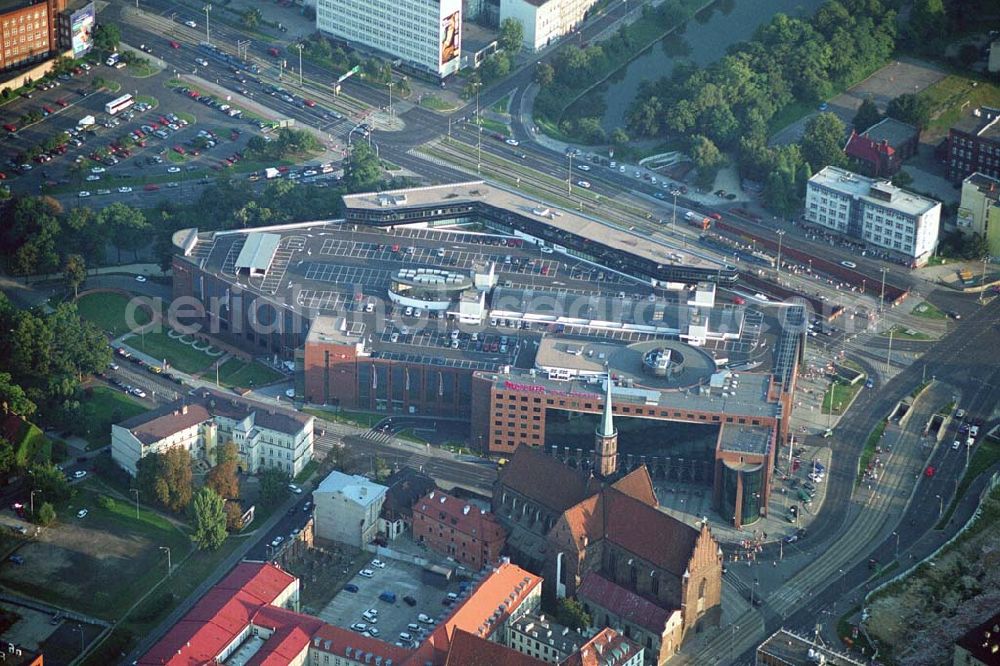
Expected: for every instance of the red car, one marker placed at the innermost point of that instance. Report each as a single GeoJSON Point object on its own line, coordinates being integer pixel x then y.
{"type": "Point", "coordinates": [163, 121]}
{"type": "Point", "coordinates": [174, 45]}
{"type": "Point", "coordinates": [739, 300]}
{"type": "Point", "coordinates": [151, 187]}
{"type": "Point", "coordinates": [929, 472]}
{"type": "Point", "coordinates": [274, 51]}
{"type": "Point", "coordinates": [47, 109]}
{"type": "Point", "coordinates": [63, 103]}
{"type": "Point", "coordinates": [309, 103]}
{"type": "Point", "coordinates": [715, 216]}
{"type": "Point", "coordinates": [10, 128]}
{"type": "Point", "coordinates": [179, 150]}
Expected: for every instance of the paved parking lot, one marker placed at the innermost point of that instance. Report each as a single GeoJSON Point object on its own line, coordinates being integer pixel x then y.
{"type": "Point", "coordinates": [403, 579]}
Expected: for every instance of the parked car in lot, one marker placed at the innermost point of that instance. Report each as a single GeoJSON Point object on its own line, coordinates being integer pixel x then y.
{"type": "Point", "coordinates": [366, 573]}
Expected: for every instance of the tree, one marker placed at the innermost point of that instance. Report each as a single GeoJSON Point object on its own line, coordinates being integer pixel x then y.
{"type": "Point", "coordinates": [46, 514]}
{"type": "Point", "coordinates": [107, 36]}
{"type": "Point", "coordinates": [867, 115]}
{"type": "Point", "coordinates": [927, 20]}
{"type": "Point", "coordinates": [571, 614]}
{"type": "Point", "coordinates": [251, 18]}
{"type": "Point", "coordinates": [619, 137]}
{"type": "Point", "coordinates": [126, 226]}
{"type": "Point", "coordinates": [544, 74]}
{"type": "Point", "coordinates": [13, 399]}
{"type": "Point", "coordinates": [823, 141]}
{"type": "Point", "coordinates": [7, 457]}
{"type": "Point", "coordinates": [179, 475]}
{"type": "Point", "coordinates": [234, 516]}
{"type": "Point", "coordinates": [910, 108]}
{"type": "Point", "coordinates": [363, 171]}
{"type": "Point", "coordinates": [968, 54]}
{"type": "Point", "coordinates": [75, 272]}
{"type": "Point", "coordinates": [209, 519]}
{"type": "Point", "coordinates": [273, 486]}
{"type": "Point", "coordinates": [222, 478]}
{"type": "Point", "coordinates": [50, 481]}
{"type": "Point", "coordinates": [511, 35]}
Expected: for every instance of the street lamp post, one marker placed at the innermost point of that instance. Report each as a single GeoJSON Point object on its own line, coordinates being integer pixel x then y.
{"type": "Point", "coordinates": [940, 506]}
{"type": "Point", "coordinates": [390, 95]}
{"type": "Point", "coordinates": [781, 235]}
{"type": "Point", "coordinates": [569, 175]}
{"type": "Point", "coordinates": [136, 491]}
{"type": "Point", "coordinates": [80, 629]}
{"type": "Point", "coordinates": [169, 567]}
{"type": "Point", "coordinates": [299, 45]}
{"type": "Point", "coordinates": [896, 534]}
{"type": "Point", "coordinates": [32, 501]}
{"type": "Point", "coordinates": [208, 34]}
{"type": "Point", "coordinates": [881, 298]}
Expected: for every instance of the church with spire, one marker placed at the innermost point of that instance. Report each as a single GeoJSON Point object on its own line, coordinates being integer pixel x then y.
{"type": "Point", "coordinates": [597, 535]}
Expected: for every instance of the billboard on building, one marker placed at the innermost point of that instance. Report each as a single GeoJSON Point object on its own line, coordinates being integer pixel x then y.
{"type": "Point", "coordinates": [451, 37]}
{"type": "Point", "coordinates": [82, 29]}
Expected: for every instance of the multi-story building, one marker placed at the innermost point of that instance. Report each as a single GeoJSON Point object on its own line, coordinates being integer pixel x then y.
{"type": "Point", "coordinates": [425, 34]}
{"type": "Point", "coordinates": [979, 210]}
{"type": "Point", "coordinates": [980, 646]}
{"type": "Point", "coordinates": [974, 144]}
{"type": "Point", "coordinates": [874, 211]}
{"type": "Point", "coordinates": [347, 509]}
{"type": "Point", "coordinates": [880, 150]}
{"type": "Point", "coordinates": [545, 21]}
{"type": "Point", "coordinates": [404, 488]}
{"type": "Point", "coordinates": [447, 525]}
{"type": "Point", "coordinates": [28, 31]}
{"type": "Point", "coordinates": [266, 436]}
{"type": "Point", "coordinates": [541, 638]}
{"type": "Point", "coordinates": [784, 648]}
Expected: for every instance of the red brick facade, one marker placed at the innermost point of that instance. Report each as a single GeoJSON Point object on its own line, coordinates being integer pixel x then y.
{"type": "Point", "coordinates": [29, 33]}
{"type": "Point", "coordinates": [452, 527]}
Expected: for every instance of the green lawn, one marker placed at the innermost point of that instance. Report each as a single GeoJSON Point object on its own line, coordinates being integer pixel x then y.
{"type": "Point", "coordinates": [235, 372]}
{"type": "Point", "coordinates": [435, 103]}
{"type": "Point", "coordinates": [98, 411]}
{"type": "Point", "coordinates": [904, 333]}
{"type": "Point", "coordinates": [502, 104]}
{"type": "Point", "coordinates": [928, 311]}
{"type": "Point", "coordinates": [987, 454]}
{"type": "Point", "coordinates": [306, 472]}
{"type": "Point", "coordinates": [107, 310]}
{"type": "Point", "coordinates": [179, 355]}
{"type": "Point", "coordinates": [491, 125]}
{"type": "Point", "coordinates": [869, 450]}
{"type": "Point", "coordinates": [839, 396]}
{"type": "Point", "coordinates": [98, 564]}
{"type": "Point", "coordinates": [361, 419]}
{"type": "Point", "coordinates": [952, 97]}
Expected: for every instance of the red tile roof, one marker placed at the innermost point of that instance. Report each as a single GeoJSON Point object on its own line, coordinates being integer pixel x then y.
{"type": "Point", "coordinates": [461, 515]}
{"type": "Point", "coordinates": [863, 148]}
{"type": "Point", "coordinates": [625, 604]}
{"type": "Point", "coordinates": [607, 647]}
{"type": "Point", "coordinates": [470, 650]}
{"type": "Point", "coordinates": [290, 639]}
{"type": "Point", "coordinates": [340, 641]}
{"type": "Point", "coordinates": [546, 480]}
{"type": "Point", "coordinates": [637, 484]}
{"type": "Point", "coordinates": [220, 615]}
{"type": "Point", "coordinates": [504, 589]}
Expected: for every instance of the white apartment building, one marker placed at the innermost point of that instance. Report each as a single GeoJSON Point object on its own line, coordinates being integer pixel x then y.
{"type": "Point", "coordinates": [874, 211]}
{"type": "Point", "coordinates": [347, 508]}
{"type": "Point", "coordinates": [426, 34]}
{"type": "Point", "coordinates": [545, 21]}
{"type": "Point", "coordinates": [266, 436]}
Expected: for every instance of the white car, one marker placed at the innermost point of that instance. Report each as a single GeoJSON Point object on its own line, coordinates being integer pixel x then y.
{"type": "Point", "coordinates": [173, 169]}
{"type": "Point", "coordinates": [290, 393]}
{"type": "Point", "coordinates": [378, 564]}
{"type": "Point", "coordinates": [584, 184]}
{"type": "Point", "coordinates": [366, 573]}
{"type": "Point", "coordinates": [201, 61]}
{"type": "Point", "coordinates": [309, 172]}
{"type": "Point", "coordinates": [124, 189]}
{"type": "Point", "coordinates": [191, 24]}
{"type": "Point", "coordinates": [294, 488]}
{"type": "Point", "coordinates": [84, 194]}
{"type": "Point", "coordinates": [92, 177]}
{"type": "Point", "coordinates": [956, 445]}
{"type": "Point", "coordinates": [512, 142]}
{"type": "Point", "coordinates": [97, 169]}
{"type": "Point", "coordinates": [82, 513]}
{"type": "Point", "coordinates": [545, 249]}
{"type": "Point", "coordinates": [974, 431]}
{"type": "Point", "coordinates": [79, 474]}
{"type": "Point", "coordinates": [277, 541]}
{"type": "Point", "coordinates": [140, 278]}
{"type": "Point", "coordinates": [583, 167]}
{"type": "Point", "coordinates": [848, 264]}
{"type": "Point", "coordinates": [359, 627]}
{"type": "Point", "coordinates": [138, 392]}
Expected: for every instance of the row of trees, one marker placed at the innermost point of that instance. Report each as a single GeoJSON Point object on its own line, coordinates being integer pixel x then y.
{"type": "Point", "coordinates": [283, 143]}
{"type": "Point", "coordinates": [41, 237]}
{"type": "Point", "coordinates": [499, 64]}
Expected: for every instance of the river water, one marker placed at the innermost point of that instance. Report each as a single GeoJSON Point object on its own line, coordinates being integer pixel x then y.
{"type": "Point", "coordinates": [703, 40]}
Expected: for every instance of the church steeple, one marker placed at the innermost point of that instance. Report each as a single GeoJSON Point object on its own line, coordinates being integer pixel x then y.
{"type": "Point", "coordinates": [606, 438]}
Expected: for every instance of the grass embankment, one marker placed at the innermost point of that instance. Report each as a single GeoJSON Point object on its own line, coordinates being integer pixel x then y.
{"type": "Point", "coordinates": [238, 373]}
{"type": "Point", "coordinates": [177, 354]}
{"type": "Point", "coordinates": [101, 408]}
{"type": "Point", "coordinates": [928, 311]}
{"type": "Point", "coordinates": [839, 396]}
{"type": "Point", "coordinates": [111, 311]}
{"type": "Point", "coordinates": [983, 458]}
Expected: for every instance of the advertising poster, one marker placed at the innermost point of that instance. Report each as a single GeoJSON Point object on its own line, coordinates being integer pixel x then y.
{"type": "Point", "coordinates": [451, 37]}
{"type": "Point", "coordinates": [82, 30]}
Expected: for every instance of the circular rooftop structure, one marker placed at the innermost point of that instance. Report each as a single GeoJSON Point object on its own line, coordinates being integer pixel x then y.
{"type": "Point", "coordinates": [427, 288]}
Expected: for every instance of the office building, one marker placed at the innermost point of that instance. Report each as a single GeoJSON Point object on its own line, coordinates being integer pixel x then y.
{"type": "Point", "coordinates": [424, 34]}
{"type": "Point", "coordinates": [974, 144]}
{"type": "Point", "coordinates": [979, 210]}
{"type": "Point", "coordinates": [545, 21]}
{"type": "Point", "coordinates": [266, 436]}
{"type": "Point", "coordinates": [347, 509]}
{"type": "Point", "coordinates": [874, 211]}
{"type": "Point", "coordinates": [452, 527]}
{"type": "Point", "coordinates": [28, 31]}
